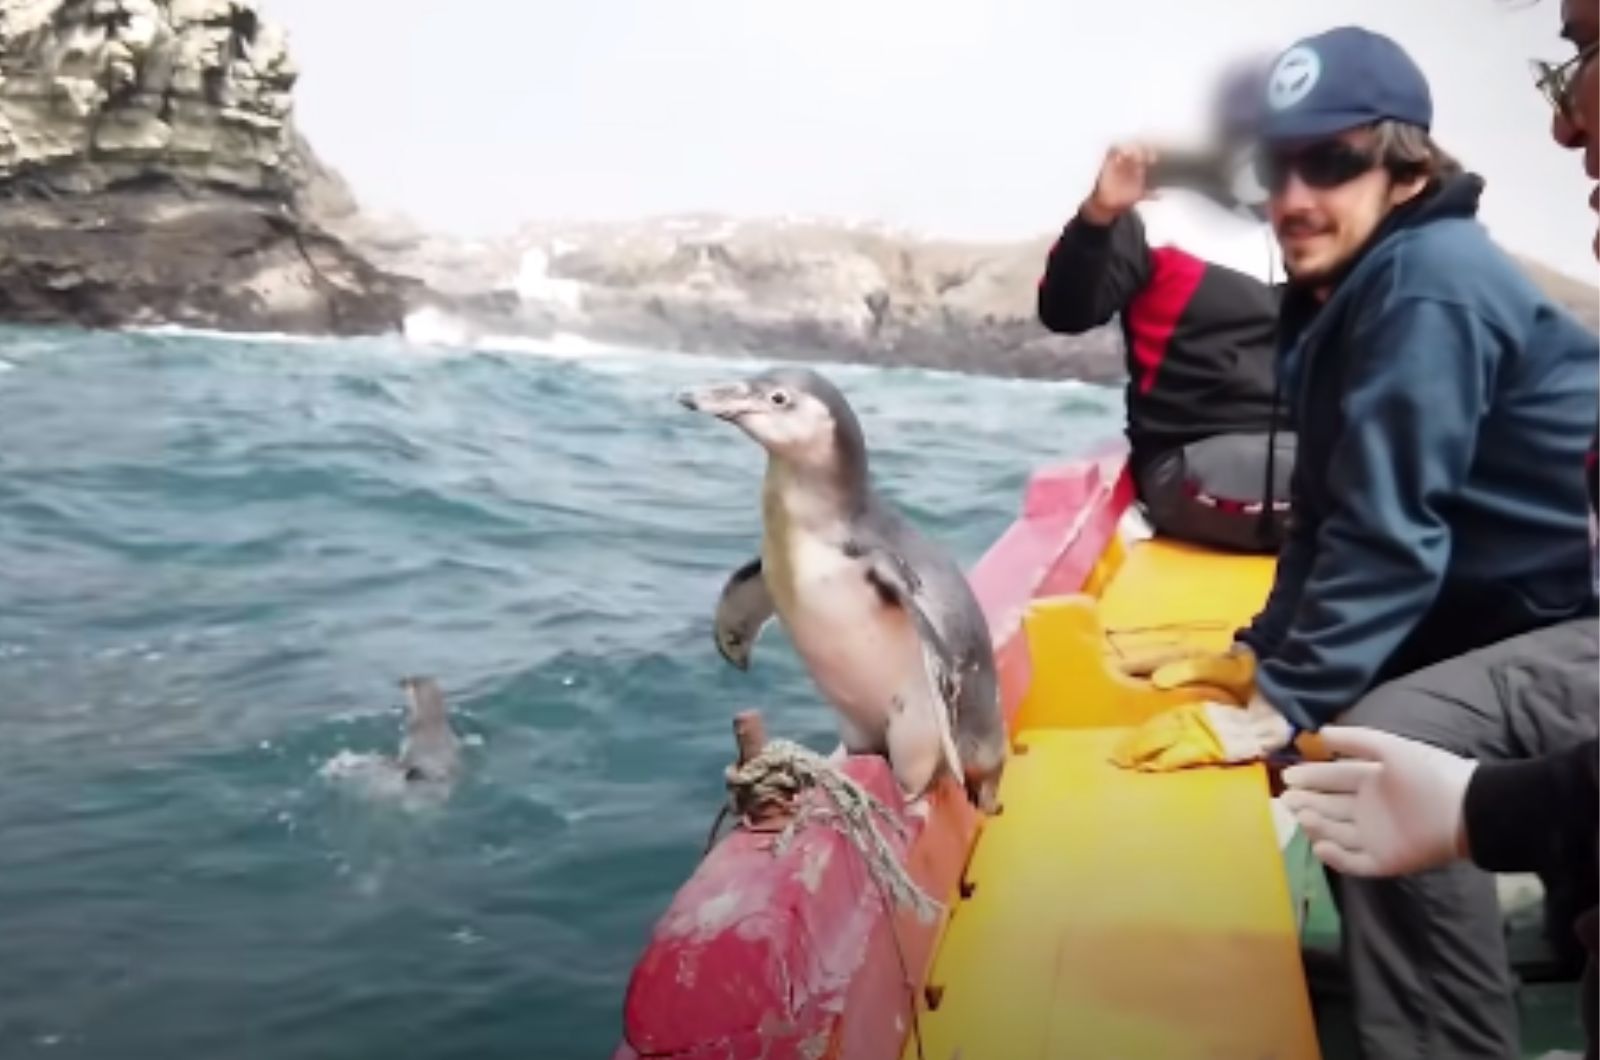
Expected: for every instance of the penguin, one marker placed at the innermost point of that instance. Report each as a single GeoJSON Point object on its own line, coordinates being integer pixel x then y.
{"type": "Point", "coordinates": [884, 620]}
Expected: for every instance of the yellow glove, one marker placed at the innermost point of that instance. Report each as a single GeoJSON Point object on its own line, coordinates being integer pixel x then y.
{"type": "Point", "coordinates": [1143, 665]}
{"type": "Point", "coordinates": [1203, 734]}
{"type": "Point", "coordinates": [1232, 675]}
{"type": "Point", "coordinates": [1176, 739]}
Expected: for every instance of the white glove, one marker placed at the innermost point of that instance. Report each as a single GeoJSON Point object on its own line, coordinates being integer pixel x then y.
{"type": "Point", "coordinates": [1249, 734]}
{"type": "Point", "coordinates": [1390, 807]}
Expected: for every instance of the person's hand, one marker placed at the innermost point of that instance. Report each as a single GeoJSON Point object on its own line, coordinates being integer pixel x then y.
{"type": "Point", "coordinates": [1146, 662]}
{"type": "Point", "coordinates": [1122, 183]}
{"type": "Point", "coordinates": [1231, 674]}
{"type": "Point", "coordinates": [1390, 807]}
{"type": "Point", "coordinates": [1252, 733]}
{"type": "Point", "coordinates": [1228, 676]}
{"type": "Point", "coordinates": [1203, 734]}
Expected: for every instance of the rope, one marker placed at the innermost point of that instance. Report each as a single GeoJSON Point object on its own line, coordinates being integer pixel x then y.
{"type": "Point", "coordinates": [716, 826]}
{"type": "Point", "coordinates": [776, 777]}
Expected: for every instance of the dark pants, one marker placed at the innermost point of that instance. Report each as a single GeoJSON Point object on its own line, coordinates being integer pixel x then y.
{"type": "Point", "coordinates": [1589, 935]}
{"type": "Point", "coordinates": [1211, 492]}
{"type": "Point", "coordinates": [1426, 954]}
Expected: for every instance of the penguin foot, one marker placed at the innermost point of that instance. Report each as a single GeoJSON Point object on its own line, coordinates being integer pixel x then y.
{"type": "Point", "coordinates": [984, 793]}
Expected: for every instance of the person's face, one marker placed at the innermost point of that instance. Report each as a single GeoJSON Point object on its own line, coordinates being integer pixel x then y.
{"type": "Point", "coordinates": [1327, 198]}
{"type": "Point", "coordinates": [1576, 92]}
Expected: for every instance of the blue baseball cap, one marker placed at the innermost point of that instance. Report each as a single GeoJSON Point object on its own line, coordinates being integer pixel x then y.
{"type": "Point", "coordinates": [1343, 79]}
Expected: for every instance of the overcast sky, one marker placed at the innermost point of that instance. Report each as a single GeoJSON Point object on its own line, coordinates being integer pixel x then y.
{"type": "Point", "coordinates": [969, 118]}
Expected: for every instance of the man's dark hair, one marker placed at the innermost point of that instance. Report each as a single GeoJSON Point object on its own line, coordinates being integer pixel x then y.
{"type": "Point", "coordinates": [1409, 151]}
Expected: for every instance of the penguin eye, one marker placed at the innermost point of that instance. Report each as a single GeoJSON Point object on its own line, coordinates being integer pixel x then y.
{"type": "Point", "coordinates": [779, 398]}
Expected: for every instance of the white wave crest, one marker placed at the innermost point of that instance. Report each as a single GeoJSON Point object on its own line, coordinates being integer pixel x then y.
{"type": "Point", "coordinates": [441, 329]}
{"type": "Point", "coordinates": [533, 282]}
{"type": "Point", "coordinates": [273, 337]}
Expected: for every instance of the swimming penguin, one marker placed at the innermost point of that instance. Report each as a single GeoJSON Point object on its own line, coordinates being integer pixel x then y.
{"type": "Point", "coordinates": [886, 623]}
{"type": "Point", "coordinates": [431, 751]}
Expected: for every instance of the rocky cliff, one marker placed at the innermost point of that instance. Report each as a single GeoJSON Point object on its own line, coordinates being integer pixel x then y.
{"type": "Point", "coordinates": [150, 172]}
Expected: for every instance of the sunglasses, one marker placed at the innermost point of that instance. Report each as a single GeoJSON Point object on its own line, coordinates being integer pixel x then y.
{"type": "Point", "coordinates": [1323, 165]}
{"type": "Point", "coordinates": [1556, 81]}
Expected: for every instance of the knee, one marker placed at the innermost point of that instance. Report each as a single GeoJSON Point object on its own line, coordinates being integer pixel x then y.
{"type": "Point", "coordinates": [1404, 708]}
{"type": "Point", "coordinates": [1380, 707]}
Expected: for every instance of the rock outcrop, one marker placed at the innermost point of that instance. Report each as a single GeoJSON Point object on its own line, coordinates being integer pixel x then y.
{"type": "Point", "coordinates": [150, 172]}
{"type": "Point", "coordinates": [789, 289]}
{"type": "Point", "coordinates": [793, 289]}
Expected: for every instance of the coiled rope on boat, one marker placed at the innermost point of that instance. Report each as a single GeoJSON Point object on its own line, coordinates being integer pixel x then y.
{"type": "Point", "coordinates": [774, 780]}
{"type": "Point", "coordinates": [764, 787]}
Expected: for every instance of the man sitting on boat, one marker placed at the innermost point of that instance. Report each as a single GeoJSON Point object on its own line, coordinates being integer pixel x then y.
{"type": "Point", "coordinates": [1439, 555]}
{"type": "Point", "coordinates": [1398, 806]}
{"type": "Point", "coordinates": [1192, 275]}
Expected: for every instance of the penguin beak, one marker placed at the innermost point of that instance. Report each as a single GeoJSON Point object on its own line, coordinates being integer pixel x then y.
{"type": "Point", "coordinates": [726, 401]}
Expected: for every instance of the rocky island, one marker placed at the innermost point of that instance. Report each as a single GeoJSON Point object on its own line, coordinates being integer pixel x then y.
{"type": "Point", "coordinates": [787, 288]}
{"type": "Point", "coordinates": [151, 173]}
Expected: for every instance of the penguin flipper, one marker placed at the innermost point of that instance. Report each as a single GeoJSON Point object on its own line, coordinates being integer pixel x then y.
{"type": "Point", "coordinates": [897, 583]}
{"type": "Point", "coordinates": [743, 610]}
{"type": "Point", "coordinates": [946, 692]}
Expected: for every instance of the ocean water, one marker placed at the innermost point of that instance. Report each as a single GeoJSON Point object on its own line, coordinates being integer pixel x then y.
{"type": "Point", "coordinates": [218, 558]}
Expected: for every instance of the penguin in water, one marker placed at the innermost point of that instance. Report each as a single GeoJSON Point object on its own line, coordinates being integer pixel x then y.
{"type": "Point", "coordinates": [886, 622]}
{"type": "Point", "coordinates": [431, 750]}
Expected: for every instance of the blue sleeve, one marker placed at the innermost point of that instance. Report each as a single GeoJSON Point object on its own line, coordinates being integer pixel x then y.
{"type": "Point", "coordinates": [1265, 633]}
{"type": "Point", "coordinates": [1417, 382]}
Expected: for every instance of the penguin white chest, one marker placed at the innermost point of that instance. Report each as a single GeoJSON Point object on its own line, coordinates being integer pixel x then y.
{"type": "Point", "coordinates": [863, 653]}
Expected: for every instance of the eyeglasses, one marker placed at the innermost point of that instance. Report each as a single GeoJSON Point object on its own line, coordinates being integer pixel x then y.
{"type": "Point", "coordinates": [1556, 81]}
{"type": "Point", "coordinates": [1323, 165]}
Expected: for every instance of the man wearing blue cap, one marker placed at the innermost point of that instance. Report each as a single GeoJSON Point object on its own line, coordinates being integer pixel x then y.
{"type": "Point", "coordinates": [1394, 806]}
{"type": "Point", "coordinates": [1435, 583]}
{"type": "Point", "coordinates": [1443, 405]}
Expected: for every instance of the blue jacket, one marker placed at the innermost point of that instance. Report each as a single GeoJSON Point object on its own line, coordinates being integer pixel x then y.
{"type": "Point", "coordinates": [1443, 407]}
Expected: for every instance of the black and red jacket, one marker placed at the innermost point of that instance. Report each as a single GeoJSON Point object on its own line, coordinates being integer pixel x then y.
{"type": "Point", "coordinates": [1197, 289]}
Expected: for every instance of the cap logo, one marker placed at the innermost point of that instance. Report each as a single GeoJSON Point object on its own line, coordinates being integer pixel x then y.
{"type": "Point", "coordinates": [1293, 78]}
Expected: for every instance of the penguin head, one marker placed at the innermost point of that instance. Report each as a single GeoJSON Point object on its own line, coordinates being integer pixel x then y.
{"type": "Point", "coordinates": [793, 413]}
{"type": "Point", "coordinates": [424, 701]}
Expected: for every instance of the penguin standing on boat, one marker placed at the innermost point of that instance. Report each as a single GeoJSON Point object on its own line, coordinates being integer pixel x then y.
{"type": "Point", "coordinates": [886, 623]}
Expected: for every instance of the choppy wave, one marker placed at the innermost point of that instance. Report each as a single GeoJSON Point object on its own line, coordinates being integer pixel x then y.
{"type": "Point", "coordinates": [273, 337]}
{"type": "Point", "coordinates": [433, 327]}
